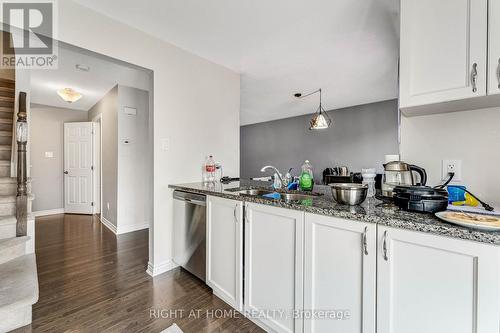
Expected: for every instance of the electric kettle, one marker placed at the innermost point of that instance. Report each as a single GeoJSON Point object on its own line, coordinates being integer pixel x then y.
{"type": "Point", "coordinates": [399, 173]}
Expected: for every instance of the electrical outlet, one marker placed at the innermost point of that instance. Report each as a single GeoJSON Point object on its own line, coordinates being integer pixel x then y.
{"type": "Point", "coordinates": [454, 166]}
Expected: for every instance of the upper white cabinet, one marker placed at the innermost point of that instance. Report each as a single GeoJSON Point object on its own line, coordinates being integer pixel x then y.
{"type": "Point", "coordinates": [443, 55]}
{"type": "Point", "coordinates": [274, 266]}
{"type": "Point", "coordinates": [435, 284]}
{"type": "Point", "coordinates": [340, 274]}
{"type": "Point", "coordinates": [494, 47]}
{"type": "Point", "coordinates": [225, 250]}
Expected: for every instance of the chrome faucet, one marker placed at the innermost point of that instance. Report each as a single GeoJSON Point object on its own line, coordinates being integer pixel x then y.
{"type": "Point", "coordinates": [282, 181]}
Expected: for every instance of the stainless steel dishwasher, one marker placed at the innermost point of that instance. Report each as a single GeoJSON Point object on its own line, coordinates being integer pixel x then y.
{"type": "Point", "coordinates": [190, 232]}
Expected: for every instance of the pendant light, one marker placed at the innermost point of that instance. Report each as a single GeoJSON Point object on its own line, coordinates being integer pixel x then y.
{"type": "Point", "coordinates": [320, 119]}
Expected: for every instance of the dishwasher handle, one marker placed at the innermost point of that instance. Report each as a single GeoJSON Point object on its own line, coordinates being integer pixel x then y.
{"type": "Point", "coordinates": [194, 198]}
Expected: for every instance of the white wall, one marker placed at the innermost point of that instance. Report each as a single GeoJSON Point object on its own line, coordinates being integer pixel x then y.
{"type": "Point", "coordinates": [47, 135]}
{"type": "Point", "coordinates": [133, 161]}
{"type": "Point", "coordinates": [471, 136]}
{"type": "Point", "coordinates": [196, 108]}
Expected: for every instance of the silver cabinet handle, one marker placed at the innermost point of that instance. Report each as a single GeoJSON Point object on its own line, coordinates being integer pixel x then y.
{"type": "Point", "coordinates": [365, 241]}
{"type": "Point", "coordinates": [234, 213]}
{"type": "Point", "coordinates": [498, 73]}
{"type": "Point", "coordinates": [473, 77]}
{"type": "Point", "coordinates": [384, 246]}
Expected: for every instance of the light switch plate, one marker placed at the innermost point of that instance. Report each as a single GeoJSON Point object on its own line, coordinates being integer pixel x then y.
{"type": "Point", "coordinates": [164, 144]}
{"type": "Point", "coordinates": [49, 154]}
{"type": "Point", "coordinates": [130, 111]}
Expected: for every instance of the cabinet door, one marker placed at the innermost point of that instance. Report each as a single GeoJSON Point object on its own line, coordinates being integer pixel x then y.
{"type": "Point", "coordinates": [225, 250]}
{"type": "Point", "coordinates": [273, 266]}
{"type": "Point", "coordinates": [494, 47]}
{"type": "Point", "coordinates": [435, 284]}
{"type": "Point", "coordinates": [443, 43]}
{"type": "Point", "coordinates": [339, 274]}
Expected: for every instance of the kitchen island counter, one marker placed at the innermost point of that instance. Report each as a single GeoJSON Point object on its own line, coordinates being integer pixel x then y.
{"type": "Point", "coordinates": [371, 211]}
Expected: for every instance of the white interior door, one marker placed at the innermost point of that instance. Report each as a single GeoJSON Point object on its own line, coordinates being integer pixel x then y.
{"type": "Point", "coordinates": [97, 167]}
{"type": "Point", "coordinates": [78, 168]}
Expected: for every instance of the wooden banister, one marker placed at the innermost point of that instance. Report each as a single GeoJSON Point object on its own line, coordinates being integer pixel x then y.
{"type": "Point", "coordinates": [22, 178]}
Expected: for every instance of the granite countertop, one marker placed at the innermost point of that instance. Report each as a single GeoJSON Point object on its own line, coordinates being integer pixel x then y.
{"type": "Point", "coordinates": [371, 211]}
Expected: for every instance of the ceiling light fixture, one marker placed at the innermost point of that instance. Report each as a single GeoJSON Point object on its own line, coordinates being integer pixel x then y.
{"type": "Point", "coordinates": [320, 120]}
{"type": "Point", "coordinates": [69, 95]}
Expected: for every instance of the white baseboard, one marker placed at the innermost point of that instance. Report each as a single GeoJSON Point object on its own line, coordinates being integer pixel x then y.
{"type": "Point", "coordinates": [108, 224]}
{"type": "Point", "coordinates": [122, 230]}
{"type": "Point", "coordinates": [130, 228]}
{"type": "Point", "coordinates": [158, 269]}
{"type": "Point", "coordinates": [49, 212]}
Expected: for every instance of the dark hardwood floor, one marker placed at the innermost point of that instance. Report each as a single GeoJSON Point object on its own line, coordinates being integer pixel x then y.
{"type": "Point", "coordinates": [93, 281]}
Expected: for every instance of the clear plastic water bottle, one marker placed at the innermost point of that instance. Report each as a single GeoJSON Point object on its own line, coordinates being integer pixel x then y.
{"type": "Point", "coordinates": [369, 179]}
{"type": "Point", "coordinates": [209, 170]}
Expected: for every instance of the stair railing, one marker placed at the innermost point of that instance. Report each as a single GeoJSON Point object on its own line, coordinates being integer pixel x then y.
{"type": "Point", "coordinates": [22, 178]}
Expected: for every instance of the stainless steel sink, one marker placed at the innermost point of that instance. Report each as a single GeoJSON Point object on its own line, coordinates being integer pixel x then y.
{"type": "Point", "coordinates": [283, 195]}
{"type": "Point", "coordinates": [254, 192]}
{"type": "Point", "coordinates": [295, 196]}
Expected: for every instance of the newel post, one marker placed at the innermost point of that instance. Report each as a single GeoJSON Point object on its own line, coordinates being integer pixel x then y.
{"type": "Point", "coordinates": [22, 179]}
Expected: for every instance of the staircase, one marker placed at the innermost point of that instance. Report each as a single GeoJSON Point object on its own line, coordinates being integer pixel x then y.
{"type": "Point", "coordinates": [18, 275]}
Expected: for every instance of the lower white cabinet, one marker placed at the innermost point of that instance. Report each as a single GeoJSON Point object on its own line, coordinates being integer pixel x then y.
{"type": "Point", "coordinates": [436, 284]}
{"type": "Point", "coordinates": [225, 250]}
{"type": "Point", "coordinates": [273, 266]}
{"type": "Point", "coordinates": [350, 276]}
{"type": "Point", "coordinates": [339, 275]}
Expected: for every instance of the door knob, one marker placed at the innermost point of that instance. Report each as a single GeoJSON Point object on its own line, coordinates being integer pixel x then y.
{"type": "Point", "coordinates": [66, 172]}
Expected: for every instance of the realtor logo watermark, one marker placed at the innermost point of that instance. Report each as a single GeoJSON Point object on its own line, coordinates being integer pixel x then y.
{"type": "Point", "coordinates": [29, 39]}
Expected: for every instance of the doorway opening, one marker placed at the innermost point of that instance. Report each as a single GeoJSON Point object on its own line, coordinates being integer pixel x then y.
{"type": "Point", "coordinates": [91, 144]}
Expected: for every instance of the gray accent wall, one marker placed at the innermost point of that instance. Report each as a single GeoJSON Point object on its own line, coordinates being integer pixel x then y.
{"type": "Point", "coordinates": [359, 138]}
{"type": "Point", "coordinates": [47, 135]}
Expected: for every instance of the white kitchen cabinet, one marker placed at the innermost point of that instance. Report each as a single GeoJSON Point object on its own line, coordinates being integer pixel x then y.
{"type": "Point", "coordinates": [494, 47]}
{"type": "Point", "coordinates": [340, 274]}
{"type": "Point", "coordinates": [443, 51]}
{"type": "Point", "coordinates": [225, 250]}
{"type": "Point", "coordinates": [436, 284]}
{"type": "Point", "coordinates": [274, 266]}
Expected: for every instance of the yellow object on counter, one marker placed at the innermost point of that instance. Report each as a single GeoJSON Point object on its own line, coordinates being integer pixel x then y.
{"type": "Point", "coordinates": [469, 201]}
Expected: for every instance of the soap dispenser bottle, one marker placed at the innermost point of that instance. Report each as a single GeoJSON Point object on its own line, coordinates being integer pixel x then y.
{"type": "Point", "coordinates": [306, 181]}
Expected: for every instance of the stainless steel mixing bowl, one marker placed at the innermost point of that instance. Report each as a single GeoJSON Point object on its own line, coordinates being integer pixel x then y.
{"type": "Point", "coordinates": [349, 193]}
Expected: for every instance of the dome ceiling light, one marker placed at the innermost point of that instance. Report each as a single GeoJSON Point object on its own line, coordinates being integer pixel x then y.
{"type": "Point", "coordinates": [69, 95]}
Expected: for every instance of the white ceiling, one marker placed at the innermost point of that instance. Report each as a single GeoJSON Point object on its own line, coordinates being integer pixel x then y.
{"type": "Point", "coordinates": [103, 75]}
{"type": "Point", "coordinates": [347, 47]}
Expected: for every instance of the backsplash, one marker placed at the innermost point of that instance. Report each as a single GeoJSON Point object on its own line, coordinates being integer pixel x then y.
{"type": "Point", "coordinates": [360, 137]}
{"type": "Point", "coordinates": [470, 136]}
